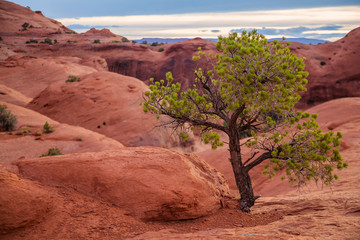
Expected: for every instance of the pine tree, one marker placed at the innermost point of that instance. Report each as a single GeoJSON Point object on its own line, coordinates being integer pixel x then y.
{"type": "Point", "coordinates": [248, 91]}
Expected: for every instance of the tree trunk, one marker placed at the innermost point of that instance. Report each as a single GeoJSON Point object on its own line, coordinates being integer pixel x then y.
{"type": "Point", "coordinates": [242, 178]}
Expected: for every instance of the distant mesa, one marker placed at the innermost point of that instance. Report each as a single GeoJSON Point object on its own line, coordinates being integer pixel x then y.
{"type": "Point", "coordinates": [175, 40]}
{"type": "Point", "coordinates": [103, 32]}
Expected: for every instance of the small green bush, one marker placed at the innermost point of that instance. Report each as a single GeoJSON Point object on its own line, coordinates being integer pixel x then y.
{"type": "Point", "coordinates": [79, 139]}
{"type": "Point", "coordinates": [322, 63]}
{"type": "Point", "coordinates": [73, 78]}
{"type": "Point", "coordinates": [23, 131]}
{"type": "Point", "coordinates": [25, 26]}
{"type": "Point", "coordinates": [52, 152]}
{"type": "Point", "coordinates": [71, 32]}
{"type": "Point", "coordinates": [47, 128]}
{"type": "Point", "coordinates": [69, 41]}
{"type": "Point", "coordinates": [116, 41]}
{"type": "Point", "coordinates": [48, 41]}
{"type": "Point", "coordinates": [31, 41]}
{"type": "Point", "coordinates": [7, 119]}
{"type": "Point", "coordinates": [96, 41]}
{"type": "Point", "coordinates": [55, 41]}
{"type": "Point", "coordinates": [124, 39]}
{"type": "Point", "coordinates": [161, 50]}
{"type": "Point", "coordinates": [1, 39]}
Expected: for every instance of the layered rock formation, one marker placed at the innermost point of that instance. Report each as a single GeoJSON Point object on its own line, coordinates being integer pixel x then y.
{"type": "Point", "coordinates": [13, 16]}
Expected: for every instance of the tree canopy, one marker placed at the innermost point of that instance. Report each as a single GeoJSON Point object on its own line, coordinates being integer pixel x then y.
{"type": "Point", "coordinates": [248, 90]}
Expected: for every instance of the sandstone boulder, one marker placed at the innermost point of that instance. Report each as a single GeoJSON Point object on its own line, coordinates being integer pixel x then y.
{"type": "Point", "coordinates": [149, 183]}
{"type": "Point", "coordinates": [21, 202]}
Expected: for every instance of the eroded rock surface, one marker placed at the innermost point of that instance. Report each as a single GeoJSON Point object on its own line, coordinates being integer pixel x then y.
{"type": "Point", "coordinates": [107, 103]}
{"type": "Point", "coordinates": [149, 183]}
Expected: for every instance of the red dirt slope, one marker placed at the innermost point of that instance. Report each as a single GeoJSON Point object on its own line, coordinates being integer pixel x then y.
{"type": "Point", "coordinates": [107, 103]}
{"type": "Point", "coordinates": [13, 16]}
{"type": "Point", "coordinates": [69, 139]}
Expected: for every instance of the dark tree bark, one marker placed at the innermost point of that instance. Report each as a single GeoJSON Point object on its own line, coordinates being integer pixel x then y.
{"type": "Point", "coordinates": [242, 178]}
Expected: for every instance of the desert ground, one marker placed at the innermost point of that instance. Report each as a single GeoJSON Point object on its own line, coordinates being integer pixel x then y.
{"type": "Point", "coordinates": [120, 176]}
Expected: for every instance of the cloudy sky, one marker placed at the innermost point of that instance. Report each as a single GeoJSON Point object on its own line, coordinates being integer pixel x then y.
{"type": "Point", "coordinates": [319, 19]}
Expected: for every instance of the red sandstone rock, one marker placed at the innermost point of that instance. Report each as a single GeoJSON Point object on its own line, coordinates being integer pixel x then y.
{"type": "Point", "coordinates": [333, 69]}
{"type": "Point", "coordinates": [13, 16]}
{"type": "Point", "coordinates": [21, 202]}
{"type": "Point", "coordinates": [103, 32]}
{"type": "Point", "coordinates": [107, 103]}
{"type": "Point", "coordinates": [149, 183]}
{"type": "Point", "coordinates": [69, 139]}
{"type": "Point", "coordinates": [12, 96]}
{"type": "Point", "coordinates": [30, 75]}
{"type": "Point", "coordinates": [176, 58]}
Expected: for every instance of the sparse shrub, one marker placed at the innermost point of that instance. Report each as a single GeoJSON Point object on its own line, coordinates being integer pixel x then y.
{"type": "Point", "coordinates": [124, 39]}
{"type": "Point", "coordinates": [69, 41]}
{"type": "Point", "coordinates": [71, 32]}
{"type": "Point", "coordinates": [79, 139]}
{"type": "Point", "coordinates": [31, 41]}
{"type": "Point", "coordinates": [144, 42]}
{"type": "Point", "coordinates": [37, 132]}
{"type": "Point", "coordinates": [1, 39]}
{"type": "Point", "coordinates": [47, 128]}
{"type": "Point", "coordinates": [7, 119]}
{"type": "Point", "coordinates": [48, 41]}
{"type": "Point", "coordinates": [73, 78]}
{"type": "Point", "coordinates": [96, 41]}
{"type": "Point", "coordinates": [23, 131]}
{"type": "Point", "coordinates": [116, 41]}
{"type": "Point", "coordinates": [25, 26]}
{"type": "Point", "coordinates": [154, 44]}
{"type": "Point", "coordinates": [133, 41]}
{"type": "Point", "coordinates": [161, 50]}
{"type": "Point", "coordinates": [31, 26]}
{"type": "Point", "coordinates": [55, 41]}
{"type": "Point", "coordinates": [52, 152]}
{"type": "Point", "coordinates": [26, 130]}
{"type": "Point", "coordinates": [322, 63]}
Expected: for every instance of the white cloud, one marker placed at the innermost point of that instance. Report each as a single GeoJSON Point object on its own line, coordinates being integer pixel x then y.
{"type": "Point", "coordinates": [190, 25]}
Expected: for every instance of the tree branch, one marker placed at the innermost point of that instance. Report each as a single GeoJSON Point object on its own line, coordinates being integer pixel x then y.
{"type": "Point", "coordinates": [258, 160]}
{"type": "Point", "coordinates": [195, 122]}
